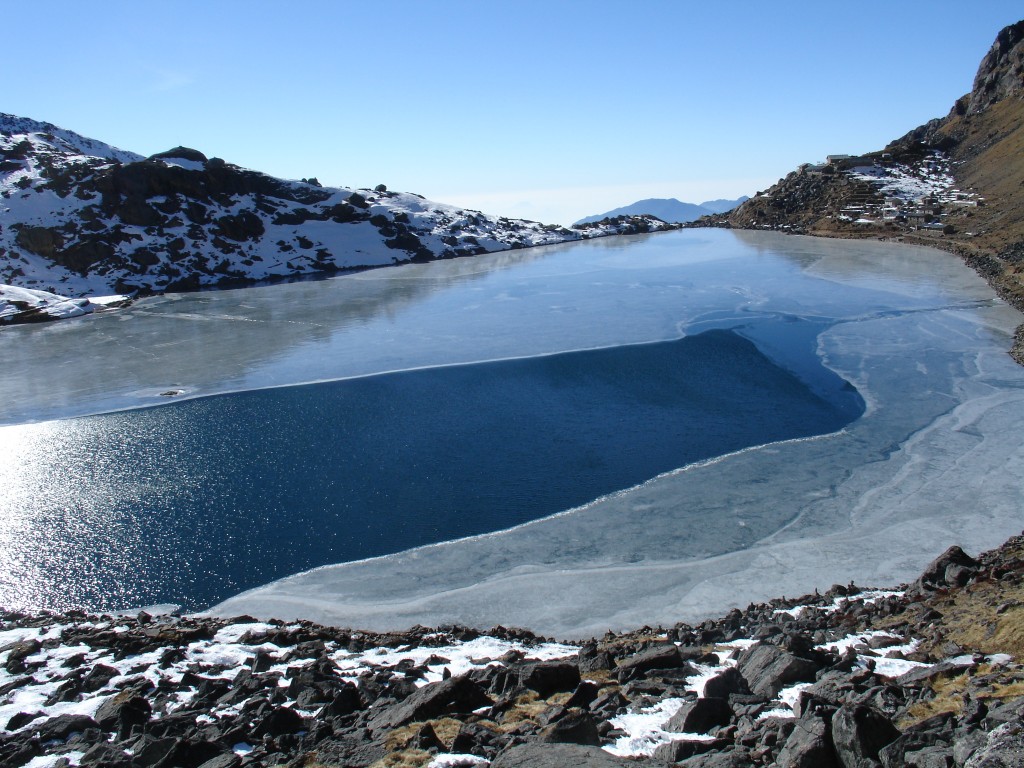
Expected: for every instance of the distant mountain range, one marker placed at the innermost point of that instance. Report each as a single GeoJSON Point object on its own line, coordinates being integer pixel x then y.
{"type": "Point", "coordinates": [667, 209]}
{"type": "Point", "coordinates": [80, 217]}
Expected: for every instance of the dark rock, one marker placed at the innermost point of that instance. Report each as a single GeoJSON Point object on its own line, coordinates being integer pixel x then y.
{"type": "Point", "coordinates": [42, 241]}
{"type": "Point", "coordinates": [1004, 748]}
{"type": "Point", "coordinates": [963, 749]}
{"type": "Point", "coordinates": [17, 654]}
{"type": "Point", "coordinates": [725, 684]}
{"type": "Point", "coordinates": [549, 677]}
{"type": "Point", "coordinates": [183, 153]}
{"type": "Point", "coordinates": [474, 739]}
{"type": "Point", "coordinates": [98, 676]}
{"type": "Point", "coordinates": [345, 702]}
{"type": "Point", "coordinates": [955, 561]}
{"type": "Point", "coordinates": [768, 669]}
{"type": "Point", "coordinates": [21, 719]}
{"type": "Point", "coordinates": [609, 703]}
{"type": "Point", "coordinates": [809, 745]}
{"type": "Point", "coordinates": [279, 721]}
{"type": "Point", "coordinates": [930, 757]}
{"type": "Point", "coordinates": [455, 695]}
{"type": "Point", "coordinates": [665, 656]}
{"type": "Point", "coordinates": [123, 710]}
{"type": "Point", "coordinates": [227, 760]}
{"type": "Point", "coordinates": [675, 751]}
{"type": "Point", "coordinates": [186, 753]}
{"type": "Point", "coordinates": [859, 733]}
{"type": "Point", "coordinates": [699, 716]}
{"type": "Point", "coordinates": [557, 756]}
{"type": "Point", "coordinates": [149, 750]}
{"type": "Point", "coordinates": [727, 758]}
{"type": "Point", "coordinates": [583, 696]}
{"type": "Point", "coordinates": [426, 739]}
{"type": "Point", "coordinates": [574, 728]}
{"type": "Point", "coordinates": [60, 727]}
{"type": "Point", "coordinates": [347, 752]}
{"type": "Point", "coordinates": [106, 755]}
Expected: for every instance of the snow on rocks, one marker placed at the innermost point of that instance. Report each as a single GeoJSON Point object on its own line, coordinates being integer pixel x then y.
{"type": "Point", "coordinates": [791, 682]}
{"type": "Point", "coordinates": [25, 305]}
{"type": "Point", "coordinates": [78, 217]}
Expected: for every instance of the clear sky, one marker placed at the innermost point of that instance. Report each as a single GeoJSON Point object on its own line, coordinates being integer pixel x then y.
{"type": "Point", "coordinates": [543, 110]}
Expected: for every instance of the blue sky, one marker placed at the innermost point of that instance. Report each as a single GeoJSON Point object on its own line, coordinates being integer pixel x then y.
{"type": "Point", "coordinates": [543, 110]}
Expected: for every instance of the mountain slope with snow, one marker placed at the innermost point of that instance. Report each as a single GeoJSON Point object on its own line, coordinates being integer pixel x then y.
{"type": "Point", "coordinates": [81, 217]}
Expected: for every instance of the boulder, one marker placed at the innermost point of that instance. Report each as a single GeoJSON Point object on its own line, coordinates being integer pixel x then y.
{"type": "Point", "coordinates": [665, 656]}
{"type": "Point", "coordinates": [452, 696]}
{"type": "Point", "coordinates": [768, 669]}
{"type": "Point", "coordinates": [859, 733]}
{"type": "Point", "coordinates": [727, 683]}
{"type": "Point", "coordinates": [347, 752]}
{"type": "Point", "coordinates": [61, 727]}
{"type": "Point", "coordinates": [674, 751]}
{"type": "Point", "coordinates": [98, 676]}
{"type": "Point", "coordinates": [476, 739]}
{"type": "Point", "coordinates": [123, 710]}
{"type": "Point", "coordinates": [586, 692]}
{"type": "Point", "coordinates": [573, 728]}
{"type": "Point", "coordinates": [700, 716]}
{"type": "Point", "coordinates": [107, 756]}
{"type": "Point", "coordinates": [1003, 749]}
{"type": "Point", "coordinates": [809, 745]}
{"type": "Point", "coordinates": [279, 721]}
{"type": "Point", "coordinates": [557, 756]}
{"type": "Point", "coordinates": [549, 677]}
{"type": "Point", "coordinates": [950, 569]}
{"type": "Point", "coordinates": [227, 760]}
{"type": "Point", "coordinates": [18, 652]}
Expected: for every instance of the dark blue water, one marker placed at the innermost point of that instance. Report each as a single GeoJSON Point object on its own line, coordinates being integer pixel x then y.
{"type": "Point", "coordinates": [195, 501]}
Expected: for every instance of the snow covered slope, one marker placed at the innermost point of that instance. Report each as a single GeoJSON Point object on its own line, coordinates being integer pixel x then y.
{"type": "Point", "coordinates": [81, 217]}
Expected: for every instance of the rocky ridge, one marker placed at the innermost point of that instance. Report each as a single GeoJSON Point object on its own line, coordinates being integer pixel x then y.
{"type": "Point", "coordinates": [80, 217]}
{"type": "Point", "coordinates": [923, 675]}
{"type": "Point", "coordinates": [956, 183]}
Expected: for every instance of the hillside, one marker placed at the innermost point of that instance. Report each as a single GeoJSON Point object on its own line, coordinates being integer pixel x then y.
{"type": "Point", "coordinates": [955, 182]}
{"type": "Point", "coordinates": [666, 209]}
{"type": "Point", "coordinates": [79, 217]}
{"type": "Point", "coordinates": [921, 675]}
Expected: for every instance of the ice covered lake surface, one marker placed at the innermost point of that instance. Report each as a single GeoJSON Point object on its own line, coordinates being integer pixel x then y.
{"type": "Point", "coordinates": [680, 399]}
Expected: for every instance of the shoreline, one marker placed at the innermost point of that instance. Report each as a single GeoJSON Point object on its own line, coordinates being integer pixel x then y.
{"type": "Point", "coordinates": [984, 262]}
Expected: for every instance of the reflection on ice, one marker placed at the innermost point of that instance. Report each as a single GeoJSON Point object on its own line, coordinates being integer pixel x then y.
{"type": "Point", "coordinates": [935, 459]}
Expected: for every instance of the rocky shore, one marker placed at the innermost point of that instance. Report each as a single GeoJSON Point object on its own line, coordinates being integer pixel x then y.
{"type": "Point", "coordinates": [922, 675]}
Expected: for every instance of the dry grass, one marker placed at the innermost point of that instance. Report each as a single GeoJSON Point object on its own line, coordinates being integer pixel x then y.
{"type": "Point", "coordinates": [949, 697]}
{"type": "Point", "coordinates": [950, 694]}
{"type": "Point", "coordinates": [526, 708]}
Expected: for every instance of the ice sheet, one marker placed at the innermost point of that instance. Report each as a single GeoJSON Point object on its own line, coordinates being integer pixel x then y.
{"type": "Point", "coordinates": [935, 460]}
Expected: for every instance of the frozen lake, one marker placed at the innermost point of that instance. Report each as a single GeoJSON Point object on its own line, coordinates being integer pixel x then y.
{"type": "Point", "coordinates": [932, 460]}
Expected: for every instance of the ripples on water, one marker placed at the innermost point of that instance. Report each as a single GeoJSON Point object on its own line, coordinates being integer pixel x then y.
{"type": "Point", "coordinates": [194, 501]}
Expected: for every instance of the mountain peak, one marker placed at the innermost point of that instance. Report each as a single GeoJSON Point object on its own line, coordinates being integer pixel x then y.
{"type": "Point", "coordinates": [1001, 73]}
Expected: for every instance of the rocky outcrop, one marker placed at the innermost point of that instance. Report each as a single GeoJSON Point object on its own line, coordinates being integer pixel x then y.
{"type": "Point", "coordinates": [954, 182]}
{"type": "Point", "coordinates": [1001, 73]}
